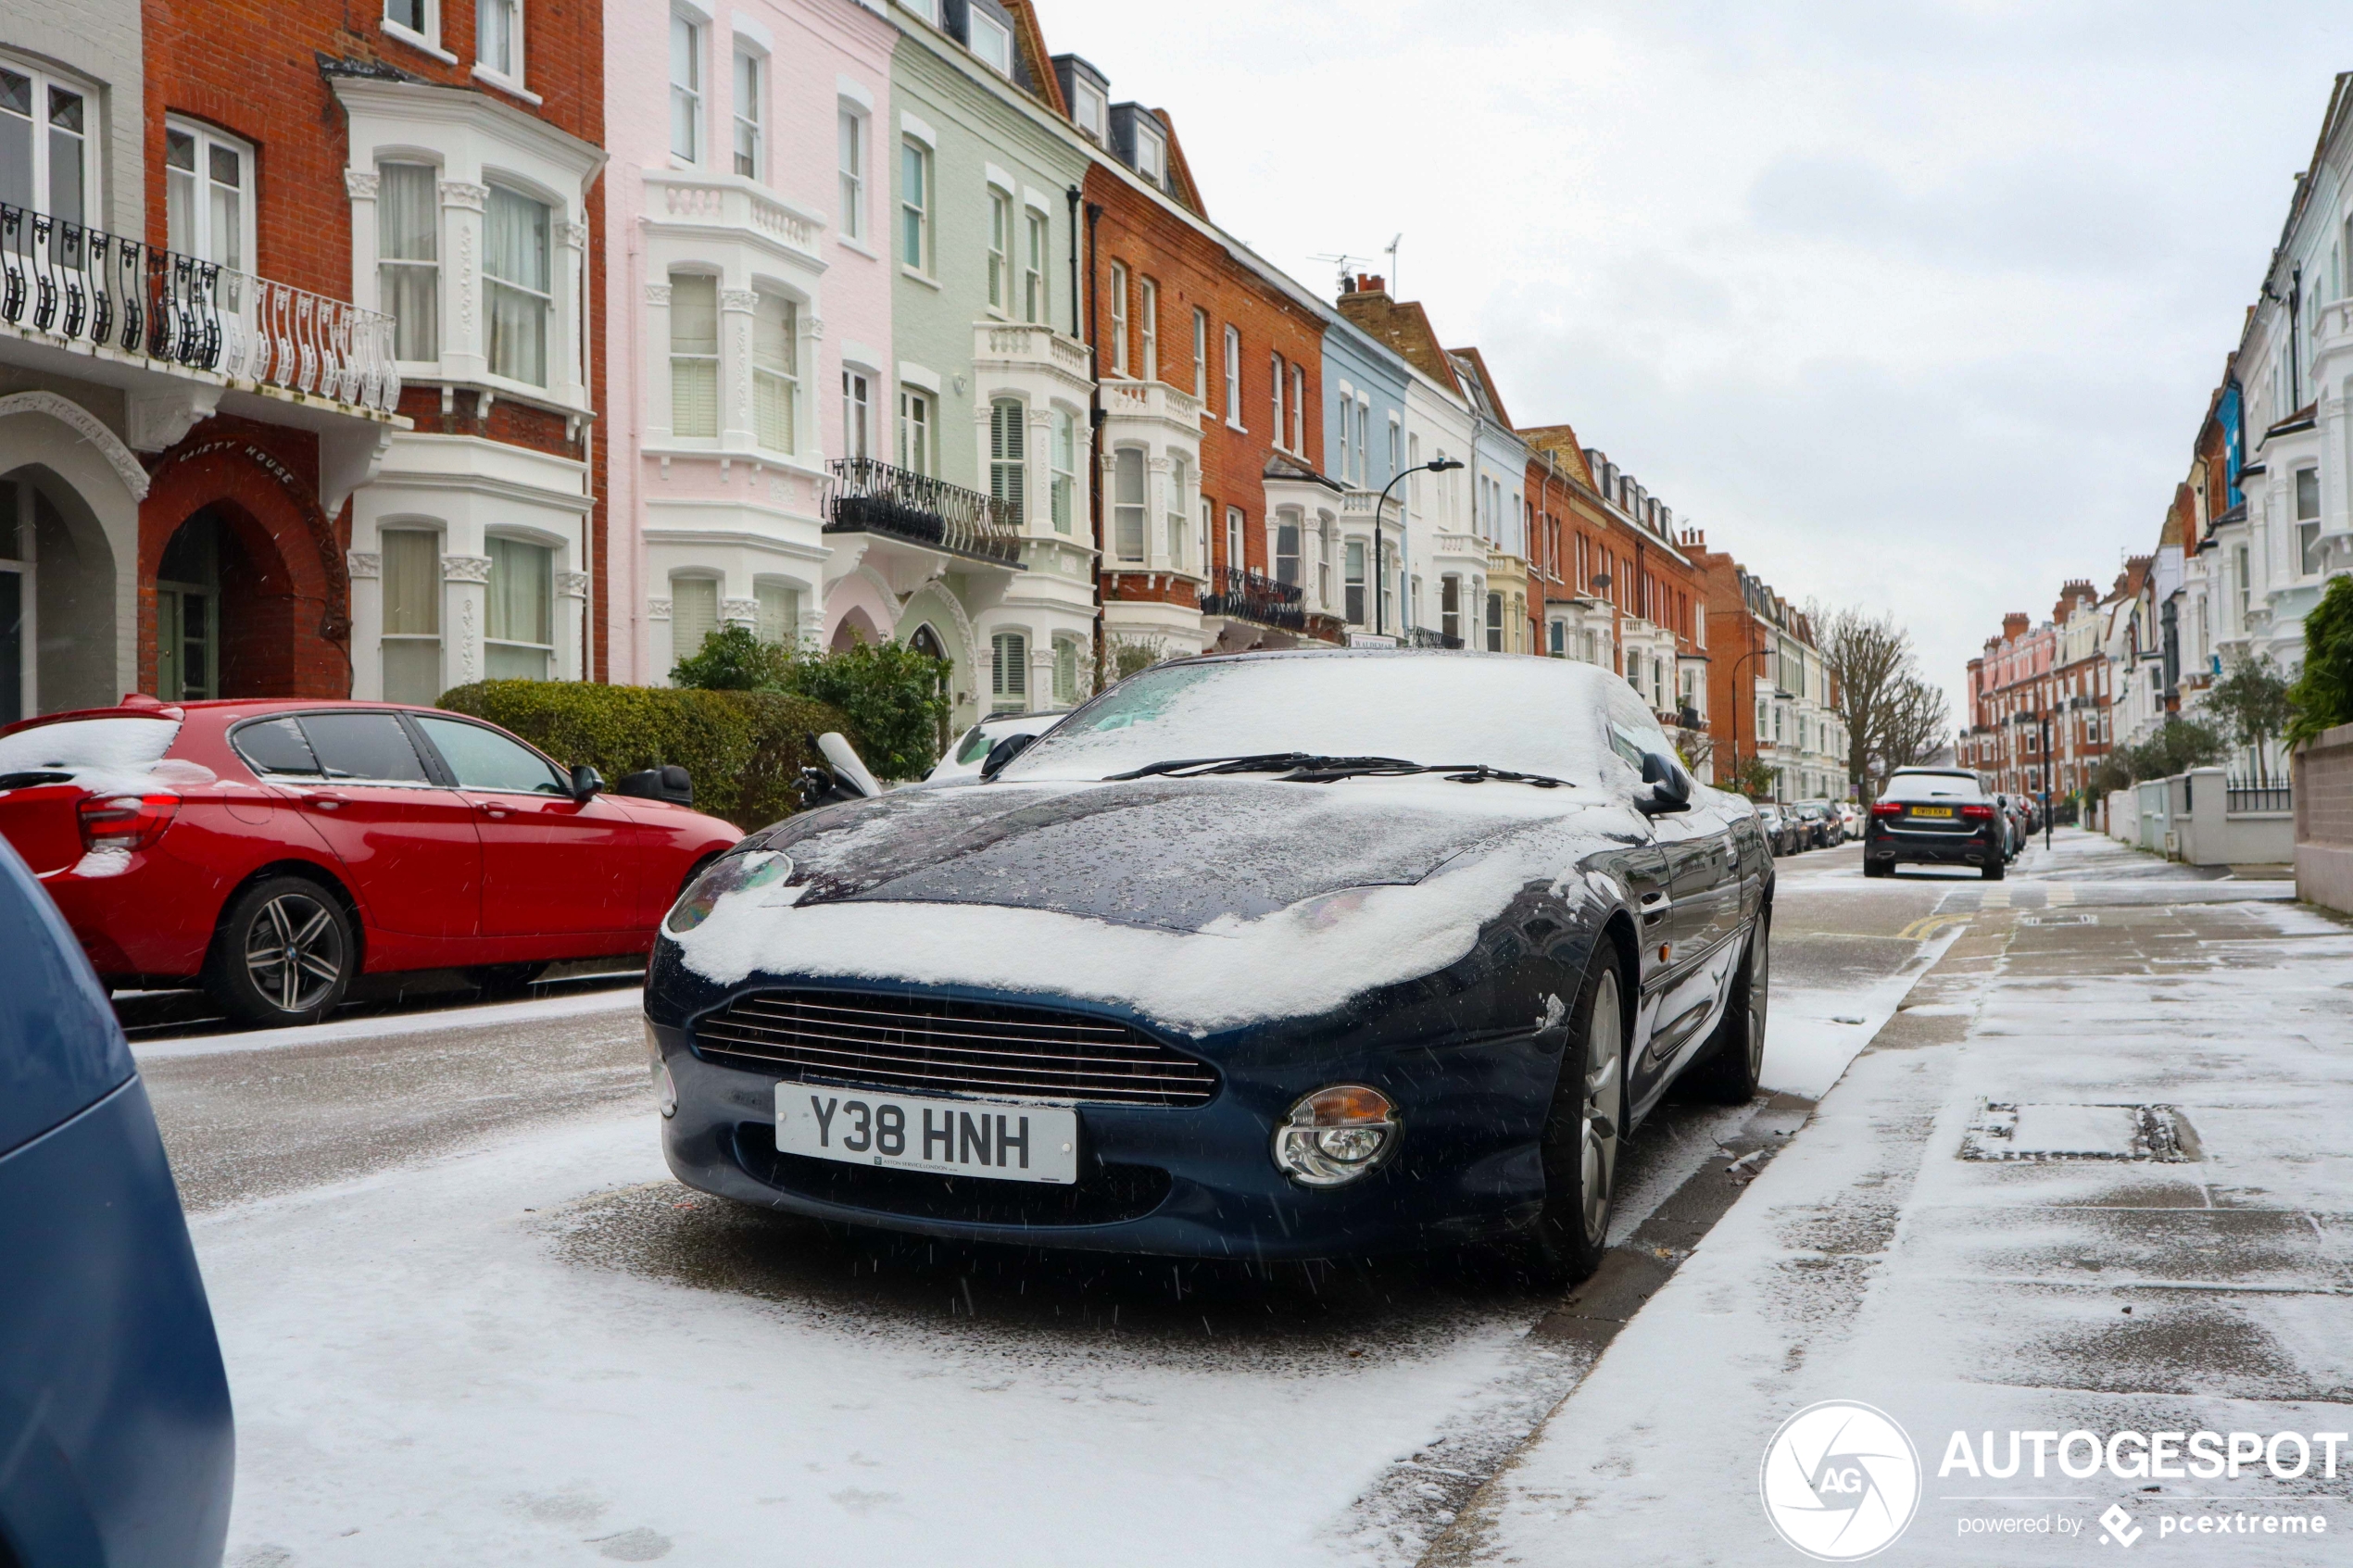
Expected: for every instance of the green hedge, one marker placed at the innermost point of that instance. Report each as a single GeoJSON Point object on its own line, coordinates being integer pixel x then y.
{"type": "Point", "coordinates": [744, 750]}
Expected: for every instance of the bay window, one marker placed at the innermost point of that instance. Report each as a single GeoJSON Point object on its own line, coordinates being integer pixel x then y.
{"type": "Point", "coordinates": [694, 355]}
{"type": "Point", "coordinates": [515, 265]}
{"type": "Point", "coordinates": [1009, 673]}
{"type": "Point", "coordinates": [409, 257]}
{"type": "Point", "coordinates": [1287, 548]}
{"type": "Point", "coordinates": [1352, 580]}
{"type": "Point", "coordinates": [1179, 487]}
{"type": "Point", "coordinates": [1128, 504]}
{"type": "Point", "coordinates": [1007, 439]}
{"type": "Point", "coordinates": [779, 613]}
{"type": "Point", "coordinates": [2308, 520]}
{"type": "Point", "coordinates": [1064, 498]}
{"type": "Point", "coordinates": [412, 614]}
{"type": "Point", "coordinates": [522, 614]}
{"type": "Point", "coordinates": [694, 614]}
{"type": "Point", "coordinates": [1067, 649]}
{"type": "Point", "coordinates": [776, 372]}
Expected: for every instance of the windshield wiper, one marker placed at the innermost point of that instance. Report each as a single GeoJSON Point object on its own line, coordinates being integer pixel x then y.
{"type": "Point", "coordinates": [1258, 762]}
{"type": "Point", "coordinates": [1305, 766]}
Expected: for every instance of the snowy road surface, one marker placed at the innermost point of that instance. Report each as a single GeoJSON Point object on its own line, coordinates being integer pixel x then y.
{"type": "Point", "coordinates": [469, 1318]}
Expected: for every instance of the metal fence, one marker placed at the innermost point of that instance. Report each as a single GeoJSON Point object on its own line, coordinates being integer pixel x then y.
{"type": "Point", "coordinates": [2247, 794]}
{"type": "Point", "coordinates": [84, 285]}
{"type": "Point", "coordinates": [869, 496]}
{"type": "Point", "coordinates": [1243, 594]}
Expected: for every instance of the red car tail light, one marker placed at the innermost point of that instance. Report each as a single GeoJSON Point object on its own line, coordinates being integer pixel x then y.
{"type": "Point", "coordinates": [125, 821]}
{"type": "Point", "coordinates": [1978, 811]}
{"type": "Point", "coordinates": [1887, 809]}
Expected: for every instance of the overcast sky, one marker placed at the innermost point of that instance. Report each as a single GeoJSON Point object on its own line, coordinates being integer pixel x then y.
{"type": "Point", "coordinates": [1915, 306]}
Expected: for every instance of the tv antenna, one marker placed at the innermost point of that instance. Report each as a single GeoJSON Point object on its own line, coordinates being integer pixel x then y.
{"type": "Point", "coordinates": [1346, 264]}
{"type": "Point", "coordinates": [1391, 253]}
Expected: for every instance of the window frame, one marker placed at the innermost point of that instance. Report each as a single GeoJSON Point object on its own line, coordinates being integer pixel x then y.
{"type": "Point", "coordinates": [432, 537]}
{"type": "Point", "coordinates": [206, 139]}
{"type": "Point", "coordinates": [687, 99]}
{"type": "Point", "coordinates": [699, 363]}
{"type": "Point", "coordinates": [975, 20]}
{"type": "Point", "coordinates": [1130, 517]}
{"type": "Point", "coordinates": [1201, 356]}
{"type": "Point", "coordinates": [788, 378]}
{"type": "Point", "coordinates": [425, 36]}
{"type": "Point", "coordinates": [1061, 500]}
{"type": "Point", "coordinates": [1009, 678]}
{"type": "Point", "coordinates": [1118, 293]}
{"type": "Point", "coordinates": [2307, 527]}
{"type": "Point", "coordinates": [1009, 460]}
{"type": "Point", "coordinates": [511, 74]}
{"type": "Point", "coordinates": [1148, 137]}
{"type": "Point", "coordinates": [548, 608]}
{"type": "Point", "coordinates": [914, 206]}
{"type": "Point", "coordinates": [1036, 292]}
{"type": "Point", "coordinates": [1233, 367]}
{"type": "Point", "coordinates": [548, 347]}
{"type": "Point", "coordinates": [918, 430]}
{"type": "Point", "coordinates": [850, 164]}
{"type": "Point", "coordinates": [1148, 328]}
{"type": "Point", "coordinates": [431, 266]}
{"type": "Point", "coordinates": [857, 414]}
{"type": "Point", "coordinates": [1001, 251]}
{"type": "Point", "coordinates": [756, 122]}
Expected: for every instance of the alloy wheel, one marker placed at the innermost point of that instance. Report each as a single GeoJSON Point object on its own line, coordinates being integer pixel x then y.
{"type": "Point", "coordinates": [1604, 1106]}
{"type": "Point", "coordinates": [294, 952]}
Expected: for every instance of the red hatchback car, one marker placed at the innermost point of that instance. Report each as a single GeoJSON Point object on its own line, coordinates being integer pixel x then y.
{"type": "Point", "coordinates": [273, 850]}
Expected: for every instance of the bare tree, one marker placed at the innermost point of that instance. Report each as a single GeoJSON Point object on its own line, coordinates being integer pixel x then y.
{"type": "Point", "coordinates": [1893, 719]}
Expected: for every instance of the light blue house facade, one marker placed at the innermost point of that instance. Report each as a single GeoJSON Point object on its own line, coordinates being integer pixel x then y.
{"type": "Point", "coordinates": [1364, 449]}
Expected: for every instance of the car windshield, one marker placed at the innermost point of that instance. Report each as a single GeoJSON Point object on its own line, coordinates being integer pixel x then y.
{"type": "Point", "coordinates": [130, 743]}
{"type": "Point", "coordinates": [1539, 716]}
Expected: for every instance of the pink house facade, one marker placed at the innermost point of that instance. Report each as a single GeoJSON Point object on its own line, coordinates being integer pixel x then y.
{"type": "Point", "coordinates": [749, 311]}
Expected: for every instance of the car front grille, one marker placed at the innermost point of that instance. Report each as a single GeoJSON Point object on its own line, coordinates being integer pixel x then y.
{"type": "Point", "coordinates": [931, 1044]}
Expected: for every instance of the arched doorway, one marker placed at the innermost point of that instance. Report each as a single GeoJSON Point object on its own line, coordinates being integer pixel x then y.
{"type": "Point", "coordinates": [225, 611]}
{"type": "Point", "coordinates": [855, 628]}
{"type": "Point", "coordinates": [927, 641]}
{"type": "Point", "coordinates": [56, 599]}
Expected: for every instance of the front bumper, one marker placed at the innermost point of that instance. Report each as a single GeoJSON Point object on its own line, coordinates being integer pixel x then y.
{"type": "Point", "coordinates": [1190, 1183]}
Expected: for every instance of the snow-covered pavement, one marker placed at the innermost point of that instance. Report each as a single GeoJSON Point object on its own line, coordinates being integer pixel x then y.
{"type": "Point", "coordinates": [469, 1318]}
{"type": "Point", "coordinates": [2094, 1178]}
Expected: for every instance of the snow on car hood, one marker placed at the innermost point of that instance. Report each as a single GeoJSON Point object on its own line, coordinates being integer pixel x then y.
{"type": "Point", "coordinates": [1203, 904]}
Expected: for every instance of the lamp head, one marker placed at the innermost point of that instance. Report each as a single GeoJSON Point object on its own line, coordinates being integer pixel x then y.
{"type": "Point", "coordinates": [1441, 465]}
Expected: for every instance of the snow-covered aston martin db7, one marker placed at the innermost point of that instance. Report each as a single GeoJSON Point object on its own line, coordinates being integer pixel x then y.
{"type": "Point", "coordinates": [1264, 956]}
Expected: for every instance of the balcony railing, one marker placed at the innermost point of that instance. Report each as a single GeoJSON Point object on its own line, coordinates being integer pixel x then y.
{"type": "Point", "coordinates": [1241, 595]}
{"type": "Point", "coordinates": [84, 285]}
{"type": "Point", "coordinates": [872, 497]}
{"type": "Point", "coordinates": [1423, 637]}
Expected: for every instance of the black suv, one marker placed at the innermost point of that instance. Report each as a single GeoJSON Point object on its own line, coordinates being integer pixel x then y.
{"type": "Point", "coordinates": [1937, 819]}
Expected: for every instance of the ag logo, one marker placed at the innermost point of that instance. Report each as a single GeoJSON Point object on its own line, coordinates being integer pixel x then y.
{"type": "Point", "coordinates": [1840, 1481]}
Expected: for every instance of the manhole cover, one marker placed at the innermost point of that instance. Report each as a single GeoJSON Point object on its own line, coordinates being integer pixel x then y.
{"type": "Point", "coordinates": [2059, 920]}
{"type": "Point", "coordinates": [2080, 1132]}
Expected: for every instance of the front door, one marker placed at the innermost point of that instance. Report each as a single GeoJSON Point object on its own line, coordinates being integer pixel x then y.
{"type": "Point", "coordinates": [17, 642]}
{"type": "Point", "coordinates": [187, 642]}
{"type": "Point", "coordinates": [552, 866]}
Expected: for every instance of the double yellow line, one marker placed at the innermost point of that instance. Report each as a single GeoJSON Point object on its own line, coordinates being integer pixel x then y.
{"type": "Point", "coordinates": [1927, 927]}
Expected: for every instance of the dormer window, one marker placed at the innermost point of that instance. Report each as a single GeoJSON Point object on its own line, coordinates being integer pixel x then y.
{"type": "Point", "coordinates": [991, 42]}
{"type": "Point", "coordinates": [1092, 111]}
{"type": "Point", "coordinates": [1151, 155]}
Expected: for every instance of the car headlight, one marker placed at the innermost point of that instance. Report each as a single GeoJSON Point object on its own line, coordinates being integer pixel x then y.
{"type": "Point", "coordinates": [665, 1086]}
{"type": "Point", "coordinates": [1336, 1134]}
{"type": "Point", "coordinates": [731, 873]}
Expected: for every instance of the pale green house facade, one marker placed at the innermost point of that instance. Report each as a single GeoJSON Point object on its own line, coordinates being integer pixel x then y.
{"type": "Point", "coordinates": [988, 392]}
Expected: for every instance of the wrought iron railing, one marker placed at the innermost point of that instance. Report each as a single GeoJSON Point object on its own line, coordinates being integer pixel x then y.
{"type": "Point", "coordinates": [2247, 795]}
{"type": "Point", "coordinates": [872, 497]}
{"type": "Point", "coordinates": [1242, 594]}
{"type": "Point", "coordinates": [1423, 637]}
{"type": "Point", "coordinates": [84, 285]}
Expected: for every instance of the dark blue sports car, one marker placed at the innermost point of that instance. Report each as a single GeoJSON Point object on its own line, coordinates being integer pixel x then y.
{"type": "Point", "coordinates": [115, 1439]}
{"type": "Point", "coordinates": [1265, 956]}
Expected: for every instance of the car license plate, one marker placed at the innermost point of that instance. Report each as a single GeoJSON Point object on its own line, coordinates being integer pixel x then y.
{"type": "Point", "coordinates": [1004, 1140]}
{"type": "Point", "coordinates": [1932, 811]}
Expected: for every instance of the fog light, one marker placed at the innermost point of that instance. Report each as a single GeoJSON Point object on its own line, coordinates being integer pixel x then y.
{"type": "Point", "coordinates": [1335, 1135]}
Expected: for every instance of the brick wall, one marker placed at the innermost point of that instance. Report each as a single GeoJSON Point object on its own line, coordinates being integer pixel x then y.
{"type": "Point", "coordinates": [2324, 780]}
{"type": "Point", "coordinates": [250, 68]}
{"type": "Point", "coordinates": [1194, 271]}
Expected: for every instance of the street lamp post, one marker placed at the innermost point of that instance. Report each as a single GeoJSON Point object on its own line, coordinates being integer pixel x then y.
{"type": "Point", "coordinates": [1739, 702]}
{"type": "Point", "coordinates": [1380, 569]}
{"type": "Point", "coordinates": [2046, 780]}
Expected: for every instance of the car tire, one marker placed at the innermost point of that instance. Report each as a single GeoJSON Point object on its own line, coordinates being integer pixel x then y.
{"type": "Point", "coordinates": [284, 954]}
{"type": "Point", "coordinates": [1726, 1072]}
{"type": "Point", "coordinates": [1878, 868]}
{"type": "Point", "coordinates": [1992, 871]}
{"type": "Point", "coordinates": [502, 979]}
{"type": "Point", "coordinates": [1584, 1130]}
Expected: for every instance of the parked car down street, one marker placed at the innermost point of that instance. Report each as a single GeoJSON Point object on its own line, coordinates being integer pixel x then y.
{"type": "Point", "coordinates": [1938, 819]}
{"type": "Point", "coordinates": [1017, 1011]}
{"type": "Point", "coordinates": [273, 850]}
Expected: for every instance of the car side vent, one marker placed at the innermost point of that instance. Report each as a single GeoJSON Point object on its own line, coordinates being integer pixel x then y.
{"type": "Point", "coordinates": [933, 1045]}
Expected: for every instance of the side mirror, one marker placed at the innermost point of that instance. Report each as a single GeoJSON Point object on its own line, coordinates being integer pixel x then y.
{"type": "Point", "coordinates": [848, 772]}
{"type": "Point", "coordinates": [1002, 753]}
{"type": "Point", "coordinates": [585, 782]}
{"type": "Point", "coordinates": [1667, 788]}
